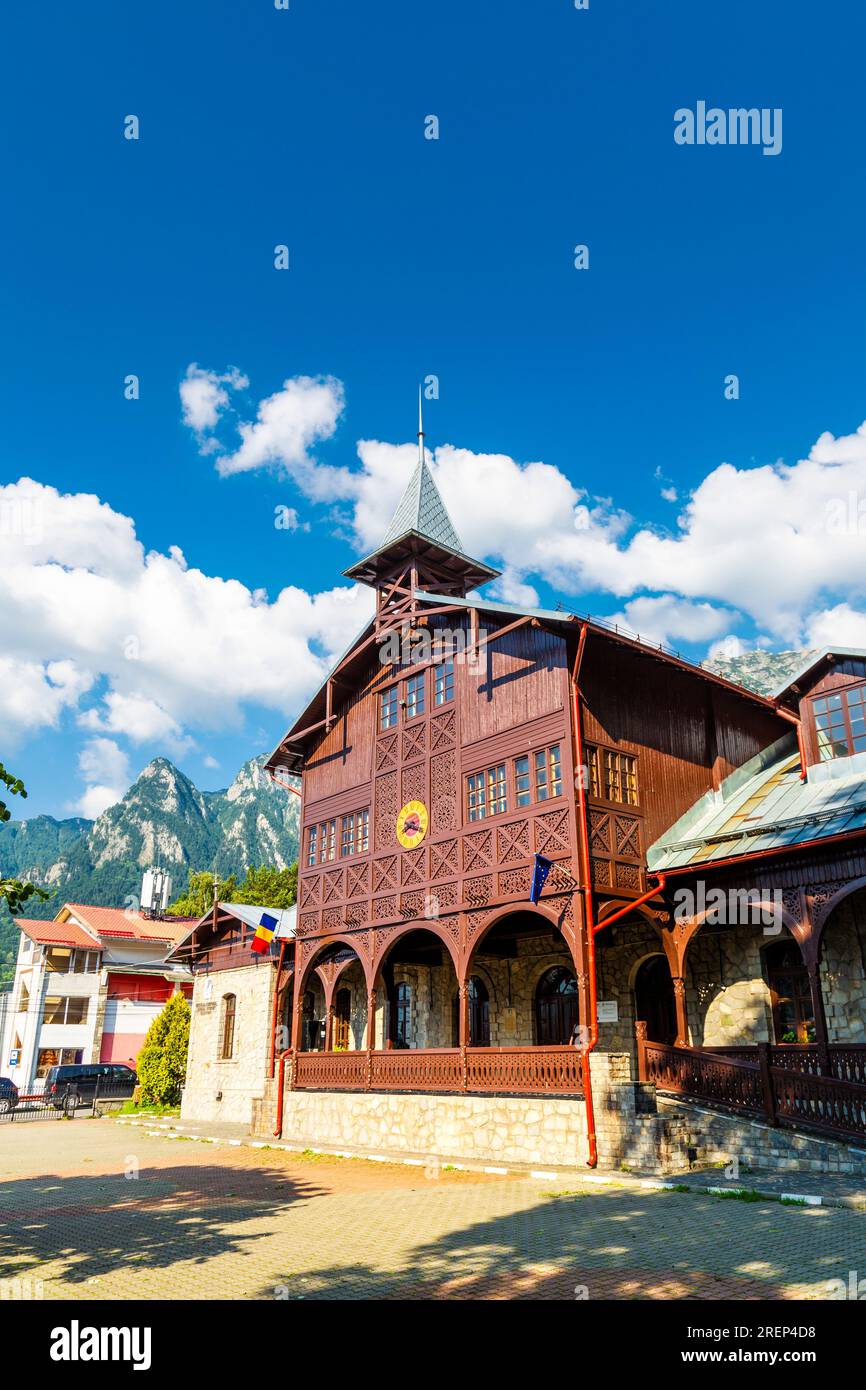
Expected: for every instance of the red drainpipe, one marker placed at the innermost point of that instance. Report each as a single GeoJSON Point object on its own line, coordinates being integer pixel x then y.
{"type": "Point", "coordinates": [801, 742]}
{"type": "Point", "coordinates": [592, 928]}
{"type": "Point", "coordinates": [288, 786]}
{"type": "Point", "coordinates": [276, 1006]}
{"type": "Point", "coordinates": [281, 1076]}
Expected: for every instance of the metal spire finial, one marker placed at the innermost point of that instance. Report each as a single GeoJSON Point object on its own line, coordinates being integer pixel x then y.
{"type": "Point", "coordinates": [420, 430]}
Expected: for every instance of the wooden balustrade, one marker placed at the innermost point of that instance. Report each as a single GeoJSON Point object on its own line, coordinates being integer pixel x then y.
{"type": "Point", "coordinates": [339, 1071]}
{"type": "Point", "coordinates": [480, 1070]}
{"type": "Point", "coordinates": [779, 1084]}
{"type": "Point", "coordinates": [416, 1069]}
{"type": "Point", "coordinates": [524, 1070]}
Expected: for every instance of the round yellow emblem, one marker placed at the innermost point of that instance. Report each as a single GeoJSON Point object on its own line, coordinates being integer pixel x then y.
{"type": "Point", "coordinates": [412, 823]}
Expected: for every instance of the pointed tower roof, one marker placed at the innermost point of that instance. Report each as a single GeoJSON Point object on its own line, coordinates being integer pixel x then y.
{"type": "Point", "coordinates": [421, 531]}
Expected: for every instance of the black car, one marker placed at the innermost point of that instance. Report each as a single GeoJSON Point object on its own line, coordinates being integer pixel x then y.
{"type": "Point", "coordinates": [8, 1095]}
{"type": "Point", "coordinates": [79, 1082]}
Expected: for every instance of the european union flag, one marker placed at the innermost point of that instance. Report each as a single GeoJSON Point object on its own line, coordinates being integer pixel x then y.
{"type": "Point", "coordinates": [539, 876]}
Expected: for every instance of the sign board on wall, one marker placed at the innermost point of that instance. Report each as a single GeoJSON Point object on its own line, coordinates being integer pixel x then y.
{"type": "Point", "coordinates": [608, 1011]}
{"type": "Point", "coordinates": [15, 1057]}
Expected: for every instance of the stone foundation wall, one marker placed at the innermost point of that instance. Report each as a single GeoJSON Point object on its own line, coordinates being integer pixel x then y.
{"type": "Point", "coordinates": [542, 1131]}
{"type": "Point", "coordinates": [219, 1089]}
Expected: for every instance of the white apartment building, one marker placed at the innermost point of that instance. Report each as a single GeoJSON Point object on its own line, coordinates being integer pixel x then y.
{"type": "Point", "coordinates": [87, 987]}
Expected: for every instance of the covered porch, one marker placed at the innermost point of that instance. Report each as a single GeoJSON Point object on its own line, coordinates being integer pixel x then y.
{"type": "Point", "coordinates": [500, 1016]}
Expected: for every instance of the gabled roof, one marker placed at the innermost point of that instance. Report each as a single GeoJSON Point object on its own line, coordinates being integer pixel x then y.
{"type": "Point", "coordinates": [56, 933]}
{"type": "Point", "coordinates": [291, 758]}
{"type": "Point", "coordinates": [815, 659]}
{"type": "Point", "coordinates": [118, 924]}
{"type": "Point", "coordinates": [244, 912]}
{"type": "Point", "coordinates": [764, 807]}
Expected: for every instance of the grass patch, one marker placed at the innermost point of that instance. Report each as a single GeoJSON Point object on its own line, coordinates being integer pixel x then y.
{"type": "Point", "coordinates": [677, 1187]}
{"type": "Point", "coordinates": [742, 1194]}
{"type": "Point", "coordinates": [129, 1107]}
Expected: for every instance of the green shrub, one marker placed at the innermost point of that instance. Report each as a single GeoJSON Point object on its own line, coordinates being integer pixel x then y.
{"type": "Point", "coordinates": [162, 1061]}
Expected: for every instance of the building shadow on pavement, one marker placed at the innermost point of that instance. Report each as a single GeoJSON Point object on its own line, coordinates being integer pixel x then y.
{"type": "Point", "coordinates": [84, 1227]}
{"type": "Point", "coordinates": [597, 1247]}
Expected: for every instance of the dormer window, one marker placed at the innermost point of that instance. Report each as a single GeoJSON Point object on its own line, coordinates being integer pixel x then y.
{"type": "Point", "coordinates": [840, 723]}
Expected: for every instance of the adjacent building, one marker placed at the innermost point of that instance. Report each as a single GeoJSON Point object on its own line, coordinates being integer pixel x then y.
{"type": "Point", "coordinates": [87, 987]}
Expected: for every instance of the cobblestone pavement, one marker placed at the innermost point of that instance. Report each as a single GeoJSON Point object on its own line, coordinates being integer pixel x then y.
{"type": "Point", "coordinates": [99, 1210]}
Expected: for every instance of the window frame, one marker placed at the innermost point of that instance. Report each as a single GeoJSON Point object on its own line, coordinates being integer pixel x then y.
{"type": "Point", "coordinates": [392, 694]}
{"type": "Point", "coordinates": [600, 751]}
{"type": "Point", "coordinates": [355, 839]}
{"type": "Point", "coordinates": [228, 1027]}
{"type": "Point", "coordinates": [477, 784]}
{"type": "Point", "coordinates": [842, 693]}
{"type": "Point", "coordinates": [414, 684]}
{"type": "Point", "coordinates": [446, 668]}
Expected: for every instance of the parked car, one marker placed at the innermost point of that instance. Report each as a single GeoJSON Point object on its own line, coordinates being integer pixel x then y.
{"type": "Point", "coordinates": [115, 1081]}
{"type": "Point", "coordinates": [8, 1095]}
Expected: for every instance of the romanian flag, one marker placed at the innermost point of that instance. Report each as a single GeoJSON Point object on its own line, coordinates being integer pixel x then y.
{"type": "Point", "coordinates": [264, 934]}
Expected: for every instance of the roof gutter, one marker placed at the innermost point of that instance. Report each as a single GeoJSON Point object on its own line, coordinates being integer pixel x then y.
{"type": "Point", "coordinates": [777, 851]}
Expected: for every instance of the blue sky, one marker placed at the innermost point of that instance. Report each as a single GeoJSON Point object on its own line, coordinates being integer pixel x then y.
{"type": "Point", "coordinates": [411, 257]}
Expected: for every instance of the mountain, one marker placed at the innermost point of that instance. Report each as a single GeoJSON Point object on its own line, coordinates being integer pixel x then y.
{"type": "Point", "coordinates": [163, 819]}
{"type": "Point", "coordinates": [761, 671]}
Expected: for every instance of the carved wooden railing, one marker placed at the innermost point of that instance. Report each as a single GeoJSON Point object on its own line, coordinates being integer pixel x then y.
{"type": "Point", "coordinates": [486, 1070]}
{"type": "Point", "coordinates": [524, 1070]}
{"type": "Point", "coordinates": [414, 1069]}
{"type": "Point", "coordinates": [341, 1071]}
{"type": "Point", "coordinates": [844, 1061]}
{"type": "Point", "coordinates": [688, 1071]}
{"type": "Point", "coordinates": [788, 1091]}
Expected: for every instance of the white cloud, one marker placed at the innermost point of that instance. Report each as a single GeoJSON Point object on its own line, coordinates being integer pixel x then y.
{"type": "Point", "coordinates": [105, 768]}
{"type": "Point", "coordinates": [33, 693]}
{"type": "Point", "coordinates": [288, 426]}
{"type": "Point", "coordinates": [176, 649]}
{"type": "Point", "coordinates": [838, 626]}
{"type": "Point", "coordinates": [779, 543]}
{"type": "Point", "coordinates": [204, 396]}
{"type": "Point", "coordinates": [667, 619]}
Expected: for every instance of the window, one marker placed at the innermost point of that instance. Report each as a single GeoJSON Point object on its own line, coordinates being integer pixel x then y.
{"type": "Point", "coordinates": [388, 708]}
{"type": "Point", "coordinates": [548, 774]}
{"type": "Point", "coordinates": [556, 1007]}
{"type": "Point", "coordinates": [23, 998]}
{"type": "Point", "coordinates": [444, 689]}
{"type": "Point", "coordinates": [793, 1015]}
{"type": "Point", "coordinates": [497, 796]}
{"type": "Point", "coordinates": [321, 843]}
{"type": "Point", "coordinates": [612, 776]}
{"type": "Point", "coordinates": [342, 1018]}
{"type": "Point", "coordinates": [48, 1057]}
{"type": "Point", "coordinates": [415, 695]}
{"type": "Point", "coordinates": [64, 1009]}
{"type": "Point", "coordinates": [57, 959]}
{"type": "Point", "coordinates": [227, 1030]}
{"type": "Point", "coordinates": [475, 797]}
{"type": "Point", "coordinates": [522, 789]}
{"type": "Point", "coordinates": [354, 833]}
{"type": "Point", "coordinates": [487, 793]}
{"type": "Point", "coordinates": [401, 1016]}
{"type": "Point", "coordinates": [840, 723]}
{"type": "Point", "coordinates": [479, 1014]}
{"type": "Point", "coordinates": [85, 962]}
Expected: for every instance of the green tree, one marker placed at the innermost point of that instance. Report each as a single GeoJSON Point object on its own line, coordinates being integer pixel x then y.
{"type": "Point", "coordinates": [12, 891]}
{"type": "Point", "coordinates": [162, 1061]}
{"type": "Point", "coordinates": [268, 887]}
{"type": "Point", "coordinates": [198, 898]}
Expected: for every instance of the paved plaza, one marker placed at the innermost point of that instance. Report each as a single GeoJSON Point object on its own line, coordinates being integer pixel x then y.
{"type": "Point", "coordinates": [95, 1209]}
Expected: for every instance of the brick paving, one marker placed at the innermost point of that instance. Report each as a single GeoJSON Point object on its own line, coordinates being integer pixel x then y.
{"type": "Point", "coordinates": [98, 1210]}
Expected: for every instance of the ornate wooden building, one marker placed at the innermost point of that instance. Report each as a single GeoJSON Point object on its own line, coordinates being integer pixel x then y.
{"type": "Point", "coordinates": [458, 740]}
